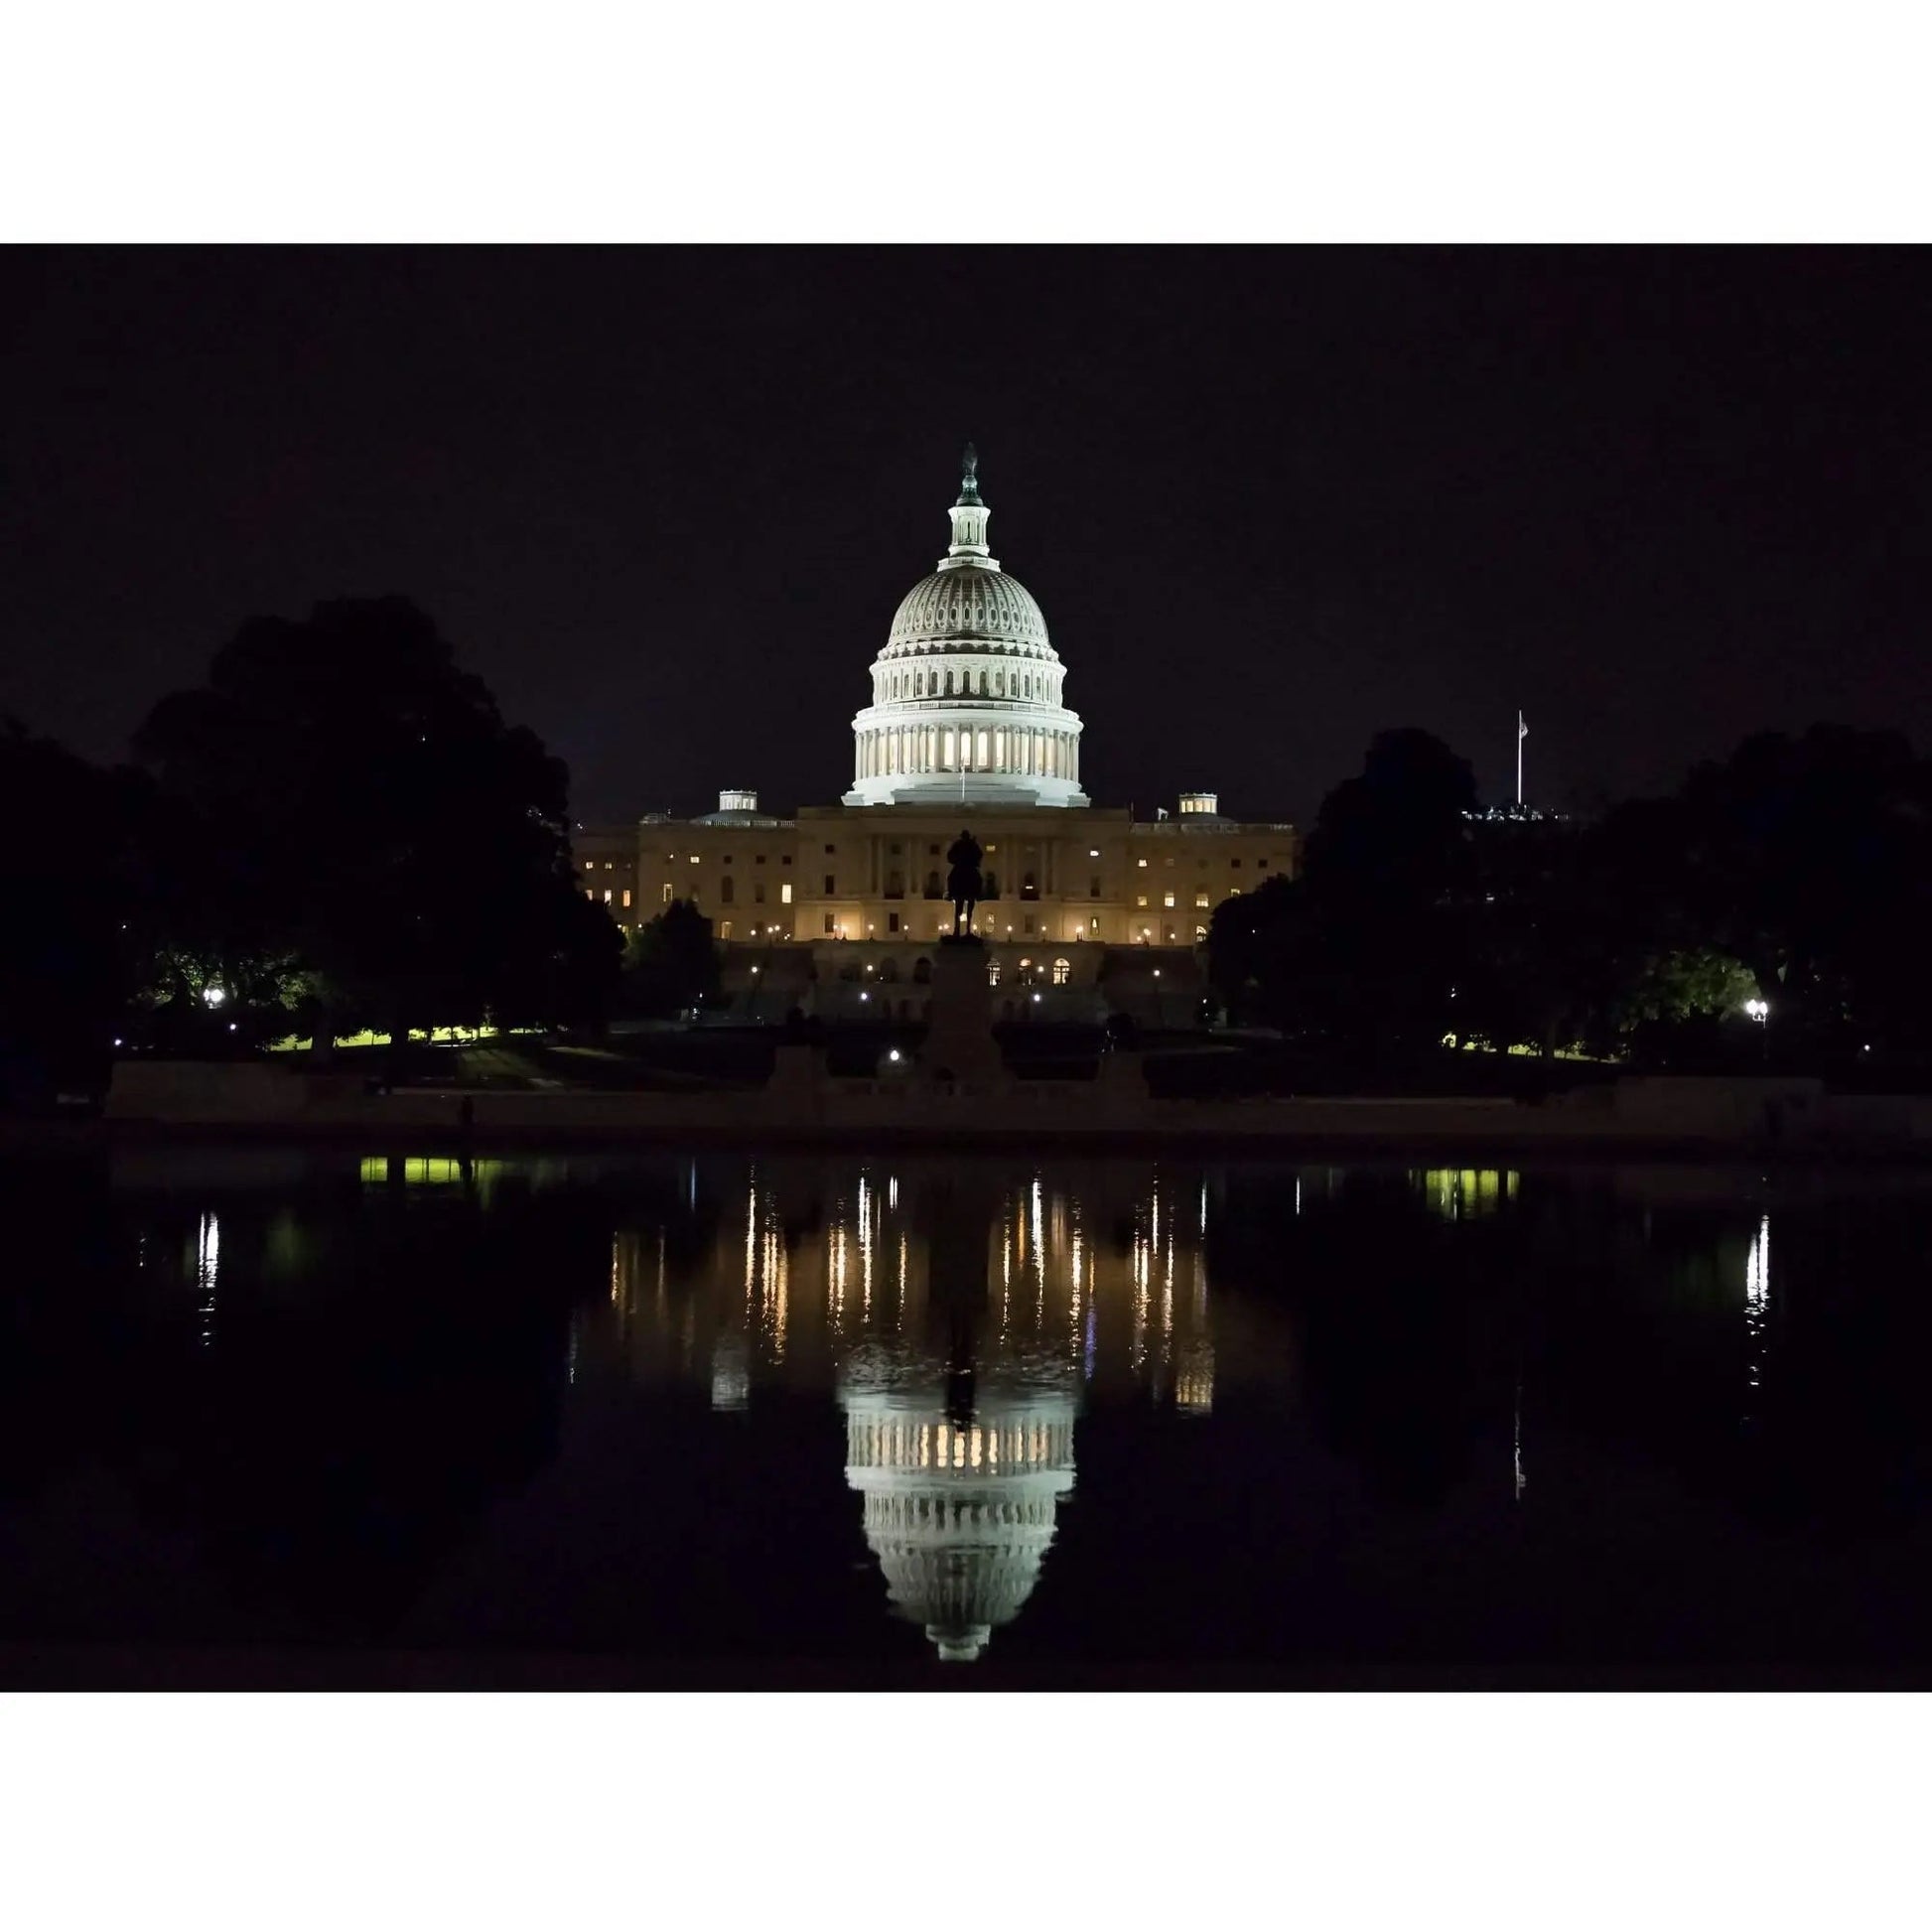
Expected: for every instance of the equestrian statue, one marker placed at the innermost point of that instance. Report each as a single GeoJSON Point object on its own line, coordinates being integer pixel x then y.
{"type": "Point", "coordinates": [963, 882]}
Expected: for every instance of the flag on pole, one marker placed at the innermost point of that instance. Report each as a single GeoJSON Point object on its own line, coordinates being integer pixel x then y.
{"type": "Point", "coordinates": [1522, 730]}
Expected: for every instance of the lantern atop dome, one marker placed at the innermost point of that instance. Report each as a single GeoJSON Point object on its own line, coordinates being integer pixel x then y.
{"type": "Point", "coordinates": [970, 517]}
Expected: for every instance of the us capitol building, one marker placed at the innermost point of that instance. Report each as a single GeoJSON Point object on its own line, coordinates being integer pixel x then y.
{"type": "Point", "coordinates": [967, 728]}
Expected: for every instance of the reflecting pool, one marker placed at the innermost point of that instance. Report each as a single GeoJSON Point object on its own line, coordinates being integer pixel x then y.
{"type": "Point", "coordinates": [844, 1419]}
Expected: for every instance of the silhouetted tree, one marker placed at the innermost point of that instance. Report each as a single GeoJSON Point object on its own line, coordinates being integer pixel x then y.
{"type": "Point", "coordinates": [63, 877]}
{"type": "Point", "coordinates": [348, 803]}
{"type": "Point", "coordinates": [1809, 860]}
{"type": "Point", "coordinates": [671, 962]}
{"type": "Point", "coordinates": [1366, 949]}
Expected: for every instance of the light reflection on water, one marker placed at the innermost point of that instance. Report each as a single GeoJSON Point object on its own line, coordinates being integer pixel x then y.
{"type": "Point", "coordinates": [1242, 1370]}
{"type": "Point", "coordinates": [958, 1327]}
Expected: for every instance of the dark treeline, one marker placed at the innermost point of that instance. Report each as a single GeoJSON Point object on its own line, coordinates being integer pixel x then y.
{"type": "Point", "coordinates": [336, 831]}
{"type": "Point", "coordinates": [339, 831]}
{"type": "Point", "coordinates": [1796, 872]}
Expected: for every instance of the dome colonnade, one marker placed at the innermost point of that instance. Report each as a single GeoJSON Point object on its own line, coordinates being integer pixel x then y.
{"type": "Point", "coordinates": [967, 693]}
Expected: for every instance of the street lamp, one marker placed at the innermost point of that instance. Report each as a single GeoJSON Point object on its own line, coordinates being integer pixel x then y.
{"type": "Point", "coordinates": [1760, 1012]}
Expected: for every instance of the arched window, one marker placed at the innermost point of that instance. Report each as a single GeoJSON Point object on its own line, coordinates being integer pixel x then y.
{"type": "Point", "coordinates": [888, 971]}
{"type": "Point", "coordinates": [1200, 936]}
{"type": "Point", "coordinates": [1062, 971]}
{"type": "Point", "coordinates": [922, 972]}
{"type": "Point", "coordinates": [933, 888]}
{"type": "Point", "coordinates": [919, 684]}
{"type": "Point", "coordinates": [1025, 974]}
{"type": "Point", "coordinates": [993, 969]}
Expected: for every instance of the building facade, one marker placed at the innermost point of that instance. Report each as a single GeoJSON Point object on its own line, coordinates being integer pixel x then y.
{"type": "Point", "coordinates": [967, 729]}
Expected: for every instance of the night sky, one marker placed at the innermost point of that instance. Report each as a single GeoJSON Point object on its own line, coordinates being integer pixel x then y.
{"type": "Point", "coordinates": [1271, 501]}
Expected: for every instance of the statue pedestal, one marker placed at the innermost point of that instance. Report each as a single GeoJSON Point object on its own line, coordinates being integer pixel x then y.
{"type": "Point", "coordinates": [959, 1042]}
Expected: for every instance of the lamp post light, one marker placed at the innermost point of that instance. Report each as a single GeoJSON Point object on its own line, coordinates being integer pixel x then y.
{"type": "Point", "coordinates": [1760, 1012]}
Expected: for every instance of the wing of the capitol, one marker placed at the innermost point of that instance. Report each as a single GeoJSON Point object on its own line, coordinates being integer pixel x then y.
{"type": "Point", "coordinates": [837, 908]}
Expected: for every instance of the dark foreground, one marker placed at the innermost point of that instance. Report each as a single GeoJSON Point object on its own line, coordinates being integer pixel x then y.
{"type": "Point", "coordinates": [311, 1419]}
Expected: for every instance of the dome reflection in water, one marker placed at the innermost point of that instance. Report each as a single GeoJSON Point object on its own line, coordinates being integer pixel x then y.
{"type": "Point", "coordinates": [853, 1413]}
{"type": "Point", "coordinates": [960, 1313]}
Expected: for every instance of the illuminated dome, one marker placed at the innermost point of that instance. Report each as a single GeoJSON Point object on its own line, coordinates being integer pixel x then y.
{"type": "Point", "coordinates": [972, 610]}
{"type": "Point", "coordinates": [967, 691]}
{"type": "Point", "coordinates": [960, 1515]}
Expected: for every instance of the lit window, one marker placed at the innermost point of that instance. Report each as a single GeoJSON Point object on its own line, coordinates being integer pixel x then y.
{"type": "Point", "coordinates": [785, 893]}
{"type": "Point", "coordinates": [694, 858]}
{"type": "Point", "coordinates": [1200, 936]}
{"type": "Point", "coordinates": [1141, 863]}
{"type": "Point", "coordinates": [1166, 899]}
{"type": "Point", "coordinates": [667, 894]}
{"type": "Point", "coordinates": [627, 898]}
{"type": "Point", "coordinates": [725, 930]}
{"type": "Point", "coordinates": [1140, 901]}
{"type": "Point", "coordinates": [832, 923]}
{"type": "Point", "coordinates": [1201, 901]}
{"type": "Point", "coordinates": [1062, 971]}
{"type": "Point", "coordinates": [1093, 851]}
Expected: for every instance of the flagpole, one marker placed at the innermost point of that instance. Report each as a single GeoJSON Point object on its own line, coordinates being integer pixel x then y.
{"type": "Point", "coordinates": [1522, 731]}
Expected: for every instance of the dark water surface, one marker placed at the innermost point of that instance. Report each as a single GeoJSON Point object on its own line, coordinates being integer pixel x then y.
{"type": "Point", "coordinates": [588, 1419]}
